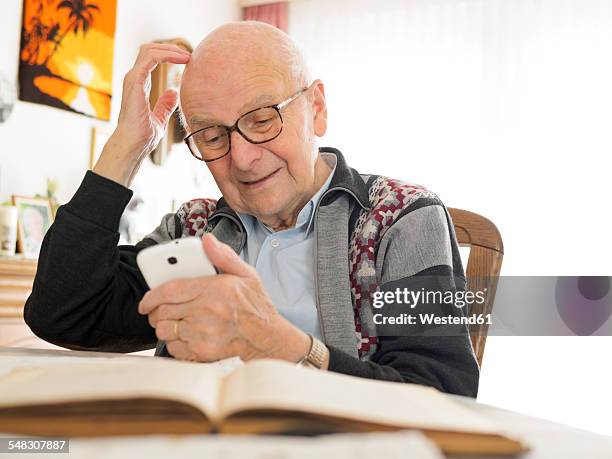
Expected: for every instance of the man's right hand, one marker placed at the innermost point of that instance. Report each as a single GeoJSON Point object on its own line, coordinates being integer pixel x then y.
{"type": "Point", "coordinates": [139, 128]}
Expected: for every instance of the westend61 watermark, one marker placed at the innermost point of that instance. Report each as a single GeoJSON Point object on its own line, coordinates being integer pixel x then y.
{"type": "Point", "coordinates": [31, 445]}
{"type": "Point", "coordinates": [504, 306]}
{"type": "Point", "coordinates": [412, 299]}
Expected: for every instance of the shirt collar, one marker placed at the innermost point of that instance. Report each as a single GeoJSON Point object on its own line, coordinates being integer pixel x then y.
{"type": "Point", "coordinates": [345, 178]}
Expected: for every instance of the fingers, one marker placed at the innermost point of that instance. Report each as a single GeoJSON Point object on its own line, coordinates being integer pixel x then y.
{"type": "Point", "coordinates": [150, 51]}
{"type": "Point", "coordinates": [172, 292]}
{"type": "Point", "coordinates": [152, 60]}
{"type": "Point", "coordinates": [184, 349]}
{"type": "Point", "coordinates": [162, 47]}
{"type": "Point", "coordinates": [183, 330]}
{"type": "Point", "coordinates": [149, 56]}
{"type": "Point", "coordinates": [169, 330]}
{"type": "Point", "coordinates": [137, 81]}
{"type": "Point", "coordinates": [139, 129]}
{"type": "Point", "coordinates": [223, 257]}
{"type": "Point", "coordinates": [165, 105]}
{"type": "Point", "coordinates": [153, 54]}
{"type": "Point", "coordinates": [180, 350]}
{"type": "Point", "coordinates": [169, 312]}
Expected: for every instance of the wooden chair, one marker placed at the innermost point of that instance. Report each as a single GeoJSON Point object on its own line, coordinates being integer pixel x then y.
{"type": "Point", "coordinates": [483, 267]}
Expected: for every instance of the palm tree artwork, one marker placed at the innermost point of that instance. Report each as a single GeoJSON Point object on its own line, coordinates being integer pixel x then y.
{"type": "Point", "coordinates": [66, 55]}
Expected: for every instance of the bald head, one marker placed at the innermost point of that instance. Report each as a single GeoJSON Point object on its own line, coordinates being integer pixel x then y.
{"type": "Point", "coordinates": [240, 47]}
{"type": "Point", "coordinates": [253, 42]}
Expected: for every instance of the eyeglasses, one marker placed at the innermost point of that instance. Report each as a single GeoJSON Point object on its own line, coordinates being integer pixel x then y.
{"type": "Point", "coordinates": [257, 126]}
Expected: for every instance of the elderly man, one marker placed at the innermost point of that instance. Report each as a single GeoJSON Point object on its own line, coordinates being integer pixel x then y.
{"type": "Point", "coordinates": [301, 240]}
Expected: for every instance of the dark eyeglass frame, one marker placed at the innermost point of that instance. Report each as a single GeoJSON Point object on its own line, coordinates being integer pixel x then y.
{"type": "Point", "coordinates": [229, 129]}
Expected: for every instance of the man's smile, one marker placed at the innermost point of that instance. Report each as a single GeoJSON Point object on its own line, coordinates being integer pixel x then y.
{"type": "Point", "coordinates": [260, 181]}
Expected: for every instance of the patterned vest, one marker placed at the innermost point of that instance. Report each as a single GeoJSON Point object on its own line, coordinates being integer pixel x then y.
{"type": "Point", "coordinates": [388, 197]}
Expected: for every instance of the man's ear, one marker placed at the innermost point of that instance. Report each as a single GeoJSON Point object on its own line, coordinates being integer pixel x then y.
{"type": "Point", "coordinates": [319, 109]}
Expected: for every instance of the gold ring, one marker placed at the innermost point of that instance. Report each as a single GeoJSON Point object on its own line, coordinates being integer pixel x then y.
{"type": "Point", "coordinates": [176, 333]}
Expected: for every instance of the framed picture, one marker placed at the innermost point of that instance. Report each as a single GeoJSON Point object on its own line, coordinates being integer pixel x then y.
{"type": "Point", "coordinates": [33, 221]}
{"type": "Point", "coordinates": [168, 76]}
{"type": "Point", "coordinates": [66, 55]}
{"type": "Point", "coordinates": [99, 137]}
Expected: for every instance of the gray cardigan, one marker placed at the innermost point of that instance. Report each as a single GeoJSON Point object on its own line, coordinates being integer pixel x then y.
{"type": "Point", "coordinates": [371, 233]}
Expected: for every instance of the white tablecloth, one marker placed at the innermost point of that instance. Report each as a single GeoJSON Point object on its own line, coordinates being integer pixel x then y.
{"type": "Point", "coordinates": [548, 440]}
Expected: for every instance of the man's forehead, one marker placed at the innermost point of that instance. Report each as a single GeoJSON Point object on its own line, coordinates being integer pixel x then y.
{"type": "Point", "coordinates": [198, 117]}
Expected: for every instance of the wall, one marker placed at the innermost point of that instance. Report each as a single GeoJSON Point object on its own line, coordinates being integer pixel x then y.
{"type": "Point", "coordinates": [39, 142]}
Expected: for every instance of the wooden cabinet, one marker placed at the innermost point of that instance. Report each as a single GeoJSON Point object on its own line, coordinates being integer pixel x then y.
{"type": "Point", "coordinates": [16, 279]}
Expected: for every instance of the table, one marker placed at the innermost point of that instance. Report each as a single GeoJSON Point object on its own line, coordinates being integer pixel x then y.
{"type": "Point", "coordinates": [547, 439]}
{"type": "Point", "coordinates": [16, 279]}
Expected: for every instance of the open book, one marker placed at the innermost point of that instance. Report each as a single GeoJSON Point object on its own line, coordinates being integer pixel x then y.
{"type": "Point", "coordinates": [265, 396]}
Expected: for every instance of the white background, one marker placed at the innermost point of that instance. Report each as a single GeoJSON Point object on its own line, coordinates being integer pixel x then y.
{"type": "Point", "coordinates": [502, 107]}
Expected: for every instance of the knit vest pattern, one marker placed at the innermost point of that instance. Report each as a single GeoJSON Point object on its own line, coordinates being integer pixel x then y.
{"type": "Point", "coordinates": [388, 197]}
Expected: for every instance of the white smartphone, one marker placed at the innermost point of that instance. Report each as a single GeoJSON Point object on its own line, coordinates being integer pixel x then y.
{"type": "Point", "coordinates": [178, 259]}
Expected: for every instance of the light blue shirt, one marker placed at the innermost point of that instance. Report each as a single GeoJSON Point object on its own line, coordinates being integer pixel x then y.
{"type": "Point", "coordinates": [285, 262]}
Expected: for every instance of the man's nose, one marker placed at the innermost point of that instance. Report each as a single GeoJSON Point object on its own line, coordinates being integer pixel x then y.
{"type": "Point", "coordinates": [244, 153]}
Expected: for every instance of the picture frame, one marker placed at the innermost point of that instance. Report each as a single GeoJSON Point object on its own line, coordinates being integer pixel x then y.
{"type": "Point", "coordinates": [166, 76]}
{"type": "Point", "coordinates": [99, 137]}
{"type": "Point", "coordinates": [34, 217]}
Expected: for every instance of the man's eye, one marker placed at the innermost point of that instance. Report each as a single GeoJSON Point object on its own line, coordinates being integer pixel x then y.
{"type": "Point", "coordinates": [213, 140]}
{"type": "Point", "coordinates": [261, 125]}
{"type": "Point", "coordinates": [263, 122]}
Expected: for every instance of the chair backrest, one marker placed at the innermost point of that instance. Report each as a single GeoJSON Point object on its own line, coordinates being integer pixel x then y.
{"type": "Point", "coordinates": [483, 267]}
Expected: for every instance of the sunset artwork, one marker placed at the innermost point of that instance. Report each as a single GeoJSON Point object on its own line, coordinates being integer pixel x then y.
{"type": "Point", "coordinates": [66, 55]}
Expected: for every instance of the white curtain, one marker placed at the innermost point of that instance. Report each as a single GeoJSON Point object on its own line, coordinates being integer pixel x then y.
{"type": "Point", "coordinates": [503, 107]}
{"type": "Point", "coordinates": [513, 97]}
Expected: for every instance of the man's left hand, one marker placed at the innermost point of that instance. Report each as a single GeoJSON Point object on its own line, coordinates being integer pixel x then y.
{"type": "Point", "coordinates": [215, 317]}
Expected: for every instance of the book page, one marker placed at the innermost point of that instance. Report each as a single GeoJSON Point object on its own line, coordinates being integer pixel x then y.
{"type": "Point", "coordinates": [193, 383]}
{"type": "Point", "coordinates": [273, 384]}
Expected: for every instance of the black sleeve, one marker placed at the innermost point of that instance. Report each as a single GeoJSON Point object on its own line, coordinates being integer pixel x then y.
{"type": "Point", "coordinates": [86, 290]}
{"type": "Point", "coordinates": [443, 362]}
{"type": "Point", "coordinates": [418, 360]}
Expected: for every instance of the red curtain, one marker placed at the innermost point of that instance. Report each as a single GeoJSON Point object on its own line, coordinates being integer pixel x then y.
{"type": "Point", "coordinates": [275, 14]}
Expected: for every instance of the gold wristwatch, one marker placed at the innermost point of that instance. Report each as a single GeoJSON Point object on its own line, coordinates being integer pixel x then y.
{"type": "Point", "coordinates": [316, 356]}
